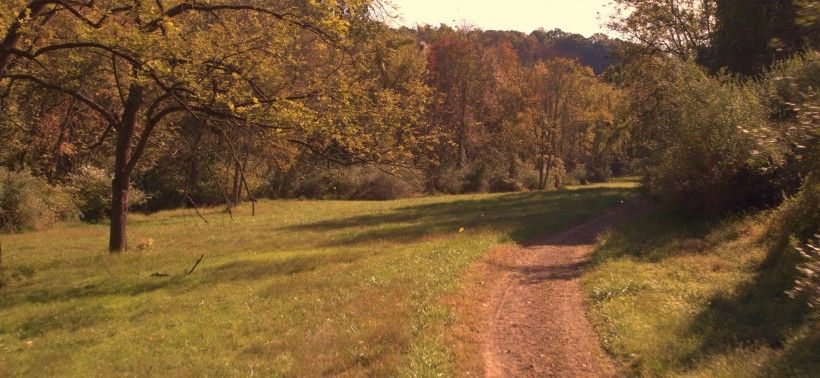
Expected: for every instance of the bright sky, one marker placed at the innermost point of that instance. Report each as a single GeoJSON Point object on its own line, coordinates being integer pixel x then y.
{"type": "Point", "coordinates": [576, 16]}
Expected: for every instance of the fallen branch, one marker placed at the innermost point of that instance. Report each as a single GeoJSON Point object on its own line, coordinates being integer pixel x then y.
{"type": "Point", "coordinates": [163, 275]}
{"type": "Point", "coordinates": [196, 209]}
{"type": "Point", "coordinates": [195, 265]}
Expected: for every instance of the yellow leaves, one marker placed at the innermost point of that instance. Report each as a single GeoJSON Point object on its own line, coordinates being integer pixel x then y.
{"type": "Point", "coordinates": [67, 149]}
{"type": "Point", "coordinates": [145, 244]}
{"type": "Point", "coordinates": [240, 61]}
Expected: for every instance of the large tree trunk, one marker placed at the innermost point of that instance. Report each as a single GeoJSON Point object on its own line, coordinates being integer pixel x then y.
{"type": "Point", "coordinates": [118, 240]}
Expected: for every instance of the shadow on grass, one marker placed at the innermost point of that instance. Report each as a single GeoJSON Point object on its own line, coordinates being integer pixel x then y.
{"type": "Point", "coordinates": [761, 313]}
{"type": "Point", "coordinates": [248, 270]}
{"type": "Point", "coordinates": [523, 215]}
{"type": "Point", "coordinates": [756, 313]}
{"type": "Point", "coordinates": [240, 270]}
{"type": "Point", "coordinates": [656, 236]}
{"type": "Point", "coordinates": [52, 295]}
{"type": "Point", "coordinates": [68, 319]}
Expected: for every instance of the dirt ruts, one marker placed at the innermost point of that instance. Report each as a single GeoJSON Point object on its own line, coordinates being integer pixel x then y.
{"type": "Point", "coordinates": [534, 323]}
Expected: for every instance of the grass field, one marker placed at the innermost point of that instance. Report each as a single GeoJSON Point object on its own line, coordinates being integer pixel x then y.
{"type": "Point", "coordinates": [672, 295]}
{"type": "Point", "coordinates": [302, 288]}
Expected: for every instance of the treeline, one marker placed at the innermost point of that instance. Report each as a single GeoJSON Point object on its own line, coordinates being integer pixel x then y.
{"type": "Point", "coordinates": [598, 51]}
{"type": "Point", "coordinates": [503, 111]}
{"type": "Point", "coordinates": [197, 107]}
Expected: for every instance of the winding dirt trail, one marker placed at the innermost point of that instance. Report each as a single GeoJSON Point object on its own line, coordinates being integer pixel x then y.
{"type": "Point", "coordinates": [533, 308]}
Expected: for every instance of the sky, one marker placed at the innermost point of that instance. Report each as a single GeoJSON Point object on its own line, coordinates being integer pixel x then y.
{"type": "Point", "coordinates": [576, 16]}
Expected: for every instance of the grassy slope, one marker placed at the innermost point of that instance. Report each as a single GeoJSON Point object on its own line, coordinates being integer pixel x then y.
{"type": "Point", "coordinates": [303, 288]}
{"type": "Point", "coordinates": [678, 296]}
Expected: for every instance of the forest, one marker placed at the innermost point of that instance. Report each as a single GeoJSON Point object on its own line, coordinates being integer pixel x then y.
{"type": "Point", "coordinates": [120, 112]}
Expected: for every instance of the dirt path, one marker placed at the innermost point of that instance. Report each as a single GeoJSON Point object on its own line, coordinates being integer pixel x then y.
{"type": "Point", "coordinates": [534, 320]}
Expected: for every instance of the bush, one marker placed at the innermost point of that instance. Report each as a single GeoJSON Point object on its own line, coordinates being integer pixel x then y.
{"type": "Point", "coordinates": [794, 228]}
{"type": "Point", "coordinates": [790, 90]}
{"type": "Point", "coordinates": [807, 284]}
{"type": "Point", "coordinates": [506, 184]}
{"type": "Point", "coordinates": [705, 139]}
{"type": "Point", "coordinates": [30, 203]}
{"type": "Point", "coordinates": [476, 178]}
{"type": "Point", "coordinates": [799, 216]}
{"type": "Point", "coordinates": [321, 183]}
{"type": "Point", "coordinates": [447, 180]}
{"type": "Point", "coordinates": [360, 183]}
{"type": "Point", "coordinates": [529, 179]}
{"type": "Point", "coordinates": [382, 186]}
{"type": "Point", "coordinates": [91, 188]}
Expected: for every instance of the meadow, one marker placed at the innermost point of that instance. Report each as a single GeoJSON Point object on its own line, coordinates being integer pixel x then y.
{"type": "Point", "coordinates": [301, 288]}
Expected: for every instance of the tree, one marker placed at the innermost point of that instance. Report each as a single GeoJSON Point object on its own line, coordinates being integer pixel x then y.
{"type": "Point", "coordinates": [681, 28]}
{"type": "Point", "coordinates": [458, 71]}
{"type": "Point", "coordinates": [559, 102]}
{"type": "Point", "coordinates": [137, 66]}
{"type": "Point", "coordinates": [751, 35]}
{"type": "Point", "coordinates": [702, 141]}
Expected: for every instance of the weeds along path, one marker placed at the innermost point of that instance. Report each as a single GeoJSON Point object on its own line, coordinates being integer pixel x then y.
{"type": "Point", "coordinates": [533, 311]}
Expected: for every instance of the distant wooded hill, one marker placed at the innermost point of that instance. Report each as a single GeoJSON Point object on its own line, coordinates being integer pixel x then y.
{"type": "Point", "coordinates": [597, 51]}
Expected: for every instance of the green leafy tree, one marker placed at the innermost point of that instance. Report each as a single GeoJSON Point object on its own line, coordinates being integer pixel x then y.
{"type": "Point", "coordinates": [271, 67]}
{"type": "Point", "coordinates": [680, 28]}
{"type": "Point", "coordinates": [564, 109]}
{"type": "Point", "coordinates": [703, 142]}
{"type": "Point", "coordinates": [751, 35]}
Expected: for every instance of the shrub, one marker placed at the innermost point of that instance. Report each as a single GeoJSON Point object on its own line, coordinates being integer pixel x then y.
{"type": "Point", "coordinates": [793, 229]}
{"type": "Point", "coordinates": [168, 187]}
{"type": "Point", "coordinates": [382, 186]}
{"type": "Point", "coordinates": [705, 139]}
{"type": "Point", "coordinates": [506, 184]}
{"type": "Point", "coordinates": [321, 183]}
{"type": "Point", "coordinates": [30, 203]}
{"type": "Point", "coordinates": [91, 188]}
{"type": "Point", "coordinates": [529, 178]}
{"type": "Point", "coordinates": [799, 216]}
{"type": "Point", "coordinates": [476, 178]}
{"type": "Point", "coordinates": [807, 284]}
{"type": "Point", "coordinates": [360, 183]}
{"type": "Point", "coordinates": [447, 180]}
{"type": "Point", "coordinates": [790, 89]}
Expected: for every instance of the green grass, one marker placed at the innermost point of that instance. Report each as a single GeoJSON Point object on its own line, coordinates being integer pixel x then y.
{"type": "Point", "coordinates": [672, 295]}
{"type": "Point", "coordinates": [303, 288]}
